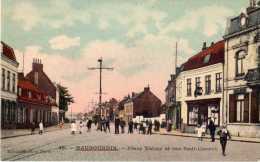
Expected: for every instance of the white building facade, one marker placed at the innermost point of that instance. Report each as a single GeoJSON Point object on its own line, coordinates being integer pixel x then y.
{"type": "Point", "coordinates": [9, 70]}
{"type": "Point", "coordinates": [199, 88]}
{"type": "Point", "coordinates": [242, 73]}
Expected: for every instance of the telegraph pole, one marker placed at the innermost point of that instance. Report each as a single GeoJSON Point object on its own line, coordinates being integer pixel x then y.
{"type": "Point", "coordinates": [100, 68]}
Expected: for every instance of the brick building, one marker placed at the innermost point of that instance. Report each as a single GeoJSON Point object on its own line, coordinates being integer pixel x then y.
{"type": "Point", "coordinates": [144, 104]}
{"type": "Point", "coordinates": [33, 104]}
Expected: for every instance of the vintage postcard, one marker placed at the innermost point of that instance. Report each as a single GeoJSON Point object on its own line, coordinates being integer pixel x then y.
{"type": "Point", "coordinates": [130, 80]}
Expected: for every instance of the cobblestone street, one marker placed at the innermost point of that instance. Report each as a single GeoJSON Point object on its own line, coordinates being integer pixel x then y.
{"type": "Point", "coordinates": [61, 145]}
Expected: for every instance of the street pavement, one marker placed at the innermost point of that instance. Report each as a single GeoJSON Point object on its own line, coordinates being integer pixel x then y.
{"type": "Point", "coordinates": [96, 145]}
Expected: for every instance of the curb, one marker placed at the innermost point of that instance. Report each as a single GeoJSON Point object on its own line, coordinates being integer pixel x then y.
{"type": "Point", "coordinates": [180, 135]}
{"type": "Point", "coordinates": [27, 134]}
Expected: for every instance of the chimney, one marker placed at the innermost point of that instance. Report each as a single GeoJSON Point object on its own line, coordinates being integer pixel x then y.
{"type": "Point", "coordinates": [212, 43]}
{"type": "Point", "coordinates": [146, 89]}
{"type": "Point", "coordinates": [37, 65]}
{"type": "Point", "coordinates": [252, 6]}
{"type": "Point", "coordinates": [204, 46]}
{"type": "Point", "coordinates": [172, 76]}
{"type": "Point", "coordinates": [133, 94]}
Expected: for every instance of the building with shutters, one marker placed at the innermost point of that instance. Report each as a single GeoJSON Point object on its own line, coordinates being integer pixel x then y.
{"type": "Point", "coordinates": [242, 73]}
{"type": "Point", "coordinates": [199, 87]}
{"type": "Point", "coordinates": [9, 69]}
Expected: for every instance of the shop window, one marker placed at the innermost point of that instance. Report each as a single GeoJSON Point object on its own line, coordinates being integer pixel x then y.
{"type": "Point", "coordinates": [193, 115]}
{"type": "Point", "coordinates": [240, 108]}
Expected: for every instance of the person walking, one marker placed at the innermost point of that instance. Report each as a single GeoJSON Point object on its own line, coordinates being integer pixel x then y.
{"type": "Point", "coordinates": [32, 128]}
{"type": "Point", "coordinates": [89, 123]}
{"type": "Point", "coordinates": [130, 126]}
{"type": "Point", "coordinates": [107, 124]}
{"type": "Point", "coordinates": [73, 128]}
{"type": "Point", "coordinates": [117, 123]}
{"type": "Point", "coordinates": [224, 135]}
{"type": "Point", "coordinates": [199, 130]}
{"type": "Point", "coordinates": [80, 127]}
{"type": "Point", "coordinates": [212, 129]}
{"type": "Point", "coordinates": [40, 128]}
{"type": "Point", "coordinates": [150, 126]}
{"type": "Point", "coordinates": [122, 125]}
{"type": "Point", "coordinates": [144, 127]}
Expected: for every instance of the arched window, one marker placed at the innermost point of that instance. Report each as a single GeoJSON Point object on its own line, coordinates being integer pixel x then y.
{"type": "Point", "coordinates": [240, 55]}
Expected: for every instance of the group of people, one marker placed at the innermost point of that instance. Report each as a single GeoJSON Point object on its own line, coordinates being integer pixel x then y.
{"type": "Point", "coordinates": [79, 126]}
{"type": "Point", "coordinates": [222, 132]}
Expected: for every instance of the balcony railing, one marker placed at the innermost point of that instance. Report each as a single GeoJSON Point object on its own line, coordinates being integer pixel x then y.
{"type": "Point", "coordinates": [253, 76]}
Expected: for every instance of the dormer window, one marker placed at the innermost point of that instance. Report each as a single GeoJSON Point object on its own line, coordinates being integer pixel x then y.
{"type": "Point", "coordinates": [206, 59]}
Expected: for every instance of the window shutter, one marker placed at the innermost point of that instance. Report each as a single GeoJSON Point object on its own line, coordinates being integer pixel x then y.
{"type": "Point", "coordinates": [232, 108]}
{"type": "Point", "coordinates": [254, 112]}
{"type": "Point", "coordinates": [246, 110]}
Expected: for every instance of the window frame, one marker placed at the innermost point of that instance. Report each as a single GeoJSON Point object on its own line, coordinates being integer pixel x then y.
{"type": "Point", "coordinates": [8, 81]}
{"type": "Point", "coordinates": [241, 108]}
{"type": "Point", "coordinates": [218, 82]}
{"type": "Point", "coordinates": [207, 84]}
{"type": "Point", "coordinates": [3, 79]}
{"type": "Point", "coordinates": [239, 63]}
{"type": "Point", "coordinates": [189, 87]}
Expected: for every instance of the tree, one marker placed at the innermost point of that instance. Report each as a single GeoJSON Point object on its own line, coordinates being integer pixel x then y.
{"type": "Point", "coordinates": [65, 99]}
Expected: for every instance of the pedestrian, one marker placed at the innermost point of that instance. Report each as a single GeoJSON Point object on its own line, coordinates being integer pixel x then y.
{"type": "Point", "coordinates": [40, 128]}
{"type": "Point", "coordinates": [80, 127]}
{"type": "Point", "coordinates": [73, 128]}
{"type": "Point", "coordinates": [122, 125]}
{"type": "Point", "coordinates": [224, 135]}
{"type": "Point", "coordinates": [141, 127]}
{"type": "Point", "coordinates": [150, 126]}
{"type": "Point", "coordinates": [144, 127]}
{"type": "Point", "coordinates": [89, 124]}
{"type": "Point", "coordinates": [117, 123]}
{"type": "Point", "coordinates": [130, 126]}
{"type": "Point", "coordinates": [135, 125]}
{"type": "Point", "coordinates": [107, 123]}
{"type": "Point", "coordinates": [169, 125]}
{"type": "Point", "coordinates": [199, 130]}
{"type": "Point", "coordinates": [32, 128]}
{"type": "Point", "coordinates": [212, 129]}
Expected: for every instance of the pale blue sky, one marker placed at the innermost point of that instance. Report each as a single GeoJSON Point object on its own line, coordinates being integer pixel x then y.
{"type": "Point", "coordinates": [136, 37]}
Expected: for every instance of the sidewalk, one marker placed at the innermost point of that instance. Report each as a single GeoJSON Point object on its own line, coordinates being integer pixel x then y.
{"type": "Point", "coordinates": [10, 133]}
{"type": "Point", "coordinates": [233, 138]}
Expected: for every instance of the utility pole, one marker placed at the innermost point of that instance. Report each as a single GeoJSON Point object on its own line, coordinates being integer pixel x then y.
{"type": "Point", "coordinates": [100, 68]}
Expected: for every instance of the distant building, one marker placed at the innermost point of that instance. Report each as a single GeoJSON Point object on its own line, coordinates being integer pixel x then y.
{"type": "Point", "coordinates": [9, 71]}
{"type": "Point", "coordinates": [120, 109]}
{"type": "Point", "coordinates": [172, 111]}
{"type": "Point", "coordinates": [242, 73]}
{"type": "Point", "coordinates": [144, 104]}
